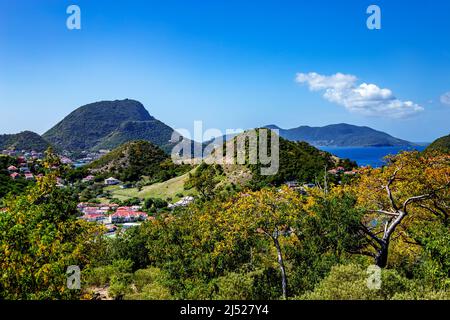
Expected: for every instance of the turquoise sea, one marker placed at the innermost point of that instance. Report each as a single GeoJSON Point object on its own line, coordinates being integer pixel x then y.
{"type": "Point", "coordinates": [372, 156]}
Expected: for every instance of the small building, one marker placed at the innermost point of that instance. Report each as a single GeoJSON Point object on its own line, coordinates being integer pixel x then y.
{"type": "Point", "coordinates": [93, 217]}
{"type": "Point", "coordinates": [24, 169]}
{"type": "Point", "coordinates": [111, 181]}
{"type": "Point", "coordinates": [110, 228]}
{"type": "Point", "coordinates": [14, 175]}
{"type": "Point", "coordinates": [333, 171]}
{"type": "Point", "coordinates": [122, 216]}
{"type": "Point", "coordinates": [29, 176]}
{"type": "Point", "coordinates": [292, 184]}
{"type": "Point", "coordinates": [12, 169]}
{"type": "Point", "coordinates": [88, 178]}
{"type": "Point", "coordinates": [65, 160]}
{"type": "Point", "coordinates": [181, 203]}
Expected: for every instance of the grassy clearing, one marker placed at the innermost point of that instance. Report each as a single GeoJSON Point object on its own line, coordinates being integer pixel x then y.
{"type": "Point", "coordinates": [163, 190]}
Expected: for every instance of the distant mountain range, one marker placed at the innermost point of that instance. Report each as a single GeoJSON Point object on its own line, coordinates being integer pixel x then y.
{"type": "Point", "coordinates": [341, 135]}
{"type": "Point", "coordinates": [109, 124]}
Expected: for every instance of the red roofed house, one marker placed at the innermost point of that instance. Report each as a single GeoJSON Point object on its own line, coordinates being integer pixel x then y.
{"type": "Point", "coordinates": [14, 175]}
{"type": "Point", "coordinates": [332, 171]}
{"type": "Point", "coordinates": [12, 168]}
{"type": "Point", "coordinates": [29, 176]}
{"type": "Point", "coordinates": [127, 216]}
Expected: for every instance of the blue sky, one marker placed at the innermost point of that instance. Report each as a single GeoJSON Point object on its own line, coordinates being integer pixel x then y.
{"type": "Point", "coordinates": [231, 64]}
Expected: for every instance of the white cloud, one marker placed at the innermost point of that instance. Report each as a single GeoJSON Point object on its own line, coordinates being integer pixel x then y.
{"type": "Point", "coordinates": [366, 99]}
{"type": "Point", "coordinates": [445, 98]}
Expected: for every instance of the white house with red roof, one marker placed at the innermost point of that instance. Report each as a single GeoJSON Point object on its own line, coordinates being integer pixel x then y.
{"type": "Point", "coordinates": [127, 214]}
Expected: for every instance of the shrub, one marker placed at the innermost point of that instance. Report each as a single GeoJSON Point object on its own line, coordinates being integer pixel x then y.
{"type": "Point", "coordinates": [349, 282]}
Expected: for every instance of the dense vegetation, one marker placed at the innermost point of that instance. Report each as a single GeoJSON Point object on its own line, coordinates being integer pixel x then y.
{"type": "Point", "coordinates": [274, 243]}
{"type": "Point", "coordinates": [107, 124]}
{"type": "Point", "coordinates": [301, 162]}
{"type": "Point", "coordinates": [150, 130]}
{"type": "Point", "coordinates": [8, 185]}
{"type": "Point", "coordinates": [298, 161]}
{"type": "Point", "coordinates": [441, 145]}
{"type": "Point", "coordinates": [267, 242]}
{"type": "Point", "coordinates": [25, 140]}
{"type": "Point", "coordinates": [134, 160]}
{"type": "Point", "coordinates": [40, 236]}
{"type": "Point", "coordinates": [341, 135]}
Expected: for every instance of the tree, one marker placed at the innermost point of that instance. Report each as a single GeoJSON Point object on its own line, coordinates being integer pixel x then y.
{"type": "Point", "coordinates": [268, 212]}
{"type": "Point", "coordinates": [411, 188]}
{"type": "Point", "coordinates": [204, 179]}
{"type": "Point", "coordinates": [40, 236]}
{"type": "Point", "coordinates": [154, 204]}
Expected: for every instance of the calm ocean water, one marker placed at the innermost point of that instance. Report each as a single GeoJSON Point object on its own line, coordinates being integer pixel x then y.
{"type": "Point", "coordinates": [364, 156]}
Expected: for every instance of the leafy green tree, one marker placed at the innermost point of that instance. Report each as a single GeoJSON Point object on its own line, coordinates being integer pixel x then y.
{"type": "Point", "coordinates": [130, 245]}
{"type": "Point", "coordinates": [204, 179]}
{"type": "Point", "coordinates": [154, 204]}
{"type": "Point", "coordinates": [40, 236]}
{"type": "Point", "coordinates": [270, 213]}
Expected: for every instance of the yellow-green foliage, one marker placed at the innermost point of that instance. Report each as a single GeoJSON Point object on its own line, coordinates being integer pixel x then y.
{"type": "Point", "coordinates": [40, 238]}
{"type": "Point", "coordinates": [148, 284]}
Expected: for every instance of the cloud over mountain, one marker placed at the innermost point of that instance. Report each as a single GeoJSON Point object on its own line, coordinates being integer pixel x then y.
{"type": "Point", "coordinates": [366, 99]}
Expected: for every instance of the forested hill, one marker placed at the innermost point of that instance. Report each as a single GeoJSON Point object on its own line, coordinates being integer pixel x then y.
{"type": "Point", "coordinates": [26, 140]}
{"type": "Point", "coordinates": [441, 144]}
{"type": "Point", "coordinates": [133, 160]}
{"type": "Point", "coordinates": [340, 135]}
{"type": "Point", "coordinates": [298, 161]}
{"type": "Point", "coordinates": [108, 124]}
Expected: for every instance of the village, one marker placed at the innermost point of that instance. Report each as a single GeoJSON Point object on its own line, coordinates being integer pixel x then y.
{"type": "Point", "coordinates": [113, 216]}
{"type": "Point", "coordinates": [27, 163]}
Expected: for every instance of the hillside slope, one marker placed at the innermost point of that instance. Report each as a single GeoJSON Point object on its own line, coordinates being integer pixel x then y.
{"type": "Point", "coordinates": [151, 130]}
{"type": "Point", "coordinates": [340, 135]}
{"type": "Point", "coordinates": [134, 160]}
{"type": "Point", "coordinates": [108, 124]}
{"type": "Point", "coordinates": [297, 161]}
{"type": "Point", "coordinates": [26, 140]}
{"type": "Point", "coordinates": [441, 144]}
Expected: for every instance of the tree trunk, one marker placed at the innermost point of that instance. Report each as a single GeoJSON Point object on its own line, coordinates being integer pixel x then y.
{"type": "Point", "coordinates": [283, 271]}
{"type": "Point", "coordinates": [382, 255]}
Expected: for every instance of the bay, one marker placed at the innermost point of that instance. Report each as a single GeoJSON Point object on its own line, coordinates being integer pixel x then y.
{"type": "Point", "coordinates": [369, 156]}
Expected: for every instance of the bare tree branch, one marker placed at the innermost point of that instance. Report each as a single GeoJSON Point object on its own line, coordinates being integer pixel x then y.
{"type": "Point", "coordinates": [394, 214]}
{"type": "Point", "coordinates": [371, 235]}
{"type": "Point", "coordinates": [388, 188]}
